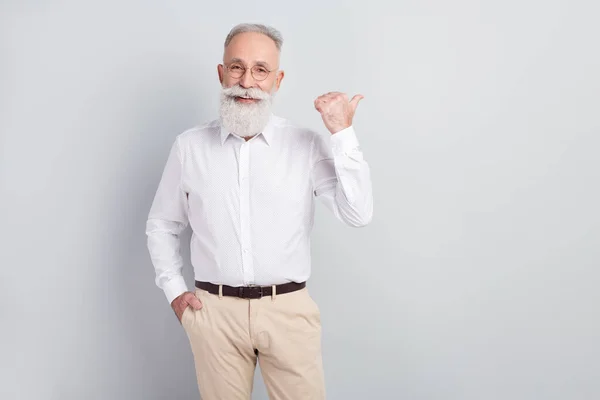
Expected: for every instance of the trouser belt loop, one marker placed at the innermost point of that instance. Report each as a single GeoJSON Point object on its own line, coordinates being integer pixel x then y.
{"type": "Point", "coordinates": [274, 292]}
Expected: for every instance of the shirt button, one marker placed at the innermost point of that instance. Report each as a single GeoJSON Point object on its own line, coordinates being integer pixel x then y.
{"type": "Point", "coordinates": [245, 250]}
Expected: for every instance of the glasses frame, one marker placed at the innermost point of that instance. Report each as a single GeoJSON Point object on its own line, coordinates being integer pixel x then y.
{"type": "Point", "coordinates": [227, 66]}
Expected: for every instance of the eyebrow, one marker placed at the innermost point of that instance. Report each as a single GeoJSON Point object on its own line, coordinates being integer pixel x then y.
{"type": "Point", "coordinates": [239, 60]}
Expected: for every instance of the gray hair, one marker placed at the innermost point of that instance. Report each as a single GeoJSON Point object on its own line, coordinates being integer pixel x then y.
{"type": "Point", "coordinates": [269, 31]}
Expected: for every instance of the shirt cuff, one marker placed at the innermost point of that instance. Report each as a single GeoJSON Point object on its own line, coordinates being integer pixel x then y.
{"type": "Point", "coordinates": [344, 141]}
{"type": "Point", "coordinates": [174, 288]}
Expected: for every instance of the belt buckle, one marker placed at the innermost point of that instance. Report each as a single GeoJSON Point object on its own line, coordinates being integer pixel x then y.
{"type": "Point", "coordinates": [252, 292]}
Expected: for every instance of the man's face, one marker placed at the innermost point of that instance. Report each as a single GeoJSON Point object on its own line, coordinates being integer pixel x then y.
{"type": "Point", "coordinates": [248, 50]}
{"type": "Point", "coordinates": [247, 96]}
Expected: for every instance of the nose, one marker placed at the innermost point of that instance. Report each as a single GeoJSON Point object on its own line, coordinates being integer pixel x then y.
{"type": "Point", "coordinates": [247, 81]}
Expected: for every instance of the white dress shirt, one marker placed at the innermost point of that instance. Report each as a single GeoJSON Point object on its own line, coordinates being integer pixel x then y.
{"type": "Point", "coordinates": [250, 204]}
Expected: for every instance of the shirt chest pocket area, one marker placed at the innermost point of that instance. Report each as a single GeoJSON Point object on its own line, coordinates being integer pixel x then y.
{"type": "Point", "coordinates": [282, 190]}
{"type": "Point", "coordinates": [290, 193]}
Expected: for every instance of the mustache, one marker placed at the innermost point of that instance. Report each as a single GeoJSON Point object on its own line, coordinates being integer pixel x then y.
{"type": "Point", "coordinates": [253, 93]}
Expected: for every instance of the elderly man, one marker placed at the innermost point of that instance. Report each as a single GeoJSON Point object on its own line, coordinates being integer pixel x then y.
{"type": "Point", "coordinates": [246, 183]}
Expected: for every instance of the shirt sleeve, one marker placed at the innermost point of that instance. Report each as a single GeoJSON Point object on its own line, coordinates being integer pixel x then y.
{"type": "Point", "coordinates": [167, 218]}
{"type": "Point", "coordinates": [341, 177]}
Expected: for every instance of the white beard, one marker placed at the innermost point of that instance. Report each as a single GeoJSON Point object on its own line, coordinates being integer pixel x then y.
{"type": "Point", "coordinates": [245, 119]}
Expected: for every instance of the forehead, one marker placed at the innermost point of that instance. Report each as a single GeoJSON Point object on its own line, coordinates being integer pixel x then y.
{"type": "Point", "coordinates": [251, 48]}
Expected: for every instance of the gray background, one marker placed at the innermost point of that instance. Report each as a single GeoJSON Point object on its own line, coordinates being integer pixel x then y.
{"type": "Point", "coordinates": [477, 278]}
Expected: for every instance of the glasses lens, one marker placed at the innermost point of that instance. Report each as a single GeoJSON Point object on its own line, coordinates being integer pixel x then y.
{"type": "Point", "coordinates": [236, 70]}
{"type": "Point", "coordinates": [259, 73]}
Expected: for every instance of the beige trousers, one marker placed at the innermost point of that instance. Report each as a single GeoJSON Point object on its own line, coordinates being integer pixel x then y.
{"type": "Point", "coordinates": [282, 332]}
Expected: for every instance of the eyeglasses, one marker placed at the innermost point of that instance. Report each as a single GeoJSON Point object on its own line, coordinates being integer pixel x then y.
{"type": "Point", "coordinates": [237, 70]}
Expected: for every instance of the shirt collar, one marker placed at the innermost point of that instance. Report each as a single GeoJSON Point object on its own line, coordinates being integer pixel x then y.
{"type": "Point", "coordinates": [267, 132]}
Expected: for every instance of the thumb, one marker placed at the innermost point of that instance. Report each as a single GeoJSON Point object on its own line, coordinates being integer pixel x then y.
{"type": "Point", "coordinates": [355, 100]}
{"type": "Point", "coordinates": [195, 303]}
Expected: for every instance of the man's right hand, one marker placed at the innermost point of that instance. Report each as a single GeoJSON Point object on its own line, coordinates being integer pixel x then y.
{"type": "Point", "coordinates": [184, 300]}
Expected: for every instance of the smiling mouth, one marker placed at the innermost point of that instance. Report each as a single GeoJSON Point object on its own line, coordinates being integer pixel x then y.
{"type": "Point", "coordinates": [245, 99]}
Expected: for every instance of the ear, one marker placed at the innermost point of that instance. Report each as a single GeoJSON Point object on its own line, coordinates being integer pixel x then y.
{"type": "Point", "coordinates": [279, 78]}
{"type": "Point", "coordinates": [220, 72]}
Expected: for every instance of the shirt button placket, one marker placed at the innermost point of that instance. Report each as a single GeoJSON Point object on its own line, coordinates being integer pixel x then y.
{"type": "Point", "coordinates": [244, 184]}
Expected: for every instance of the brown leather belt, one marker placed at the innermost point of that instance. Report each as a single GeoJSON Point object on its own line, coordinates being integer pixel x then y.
{"type": "Point", "coordinates": [251, 292]}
